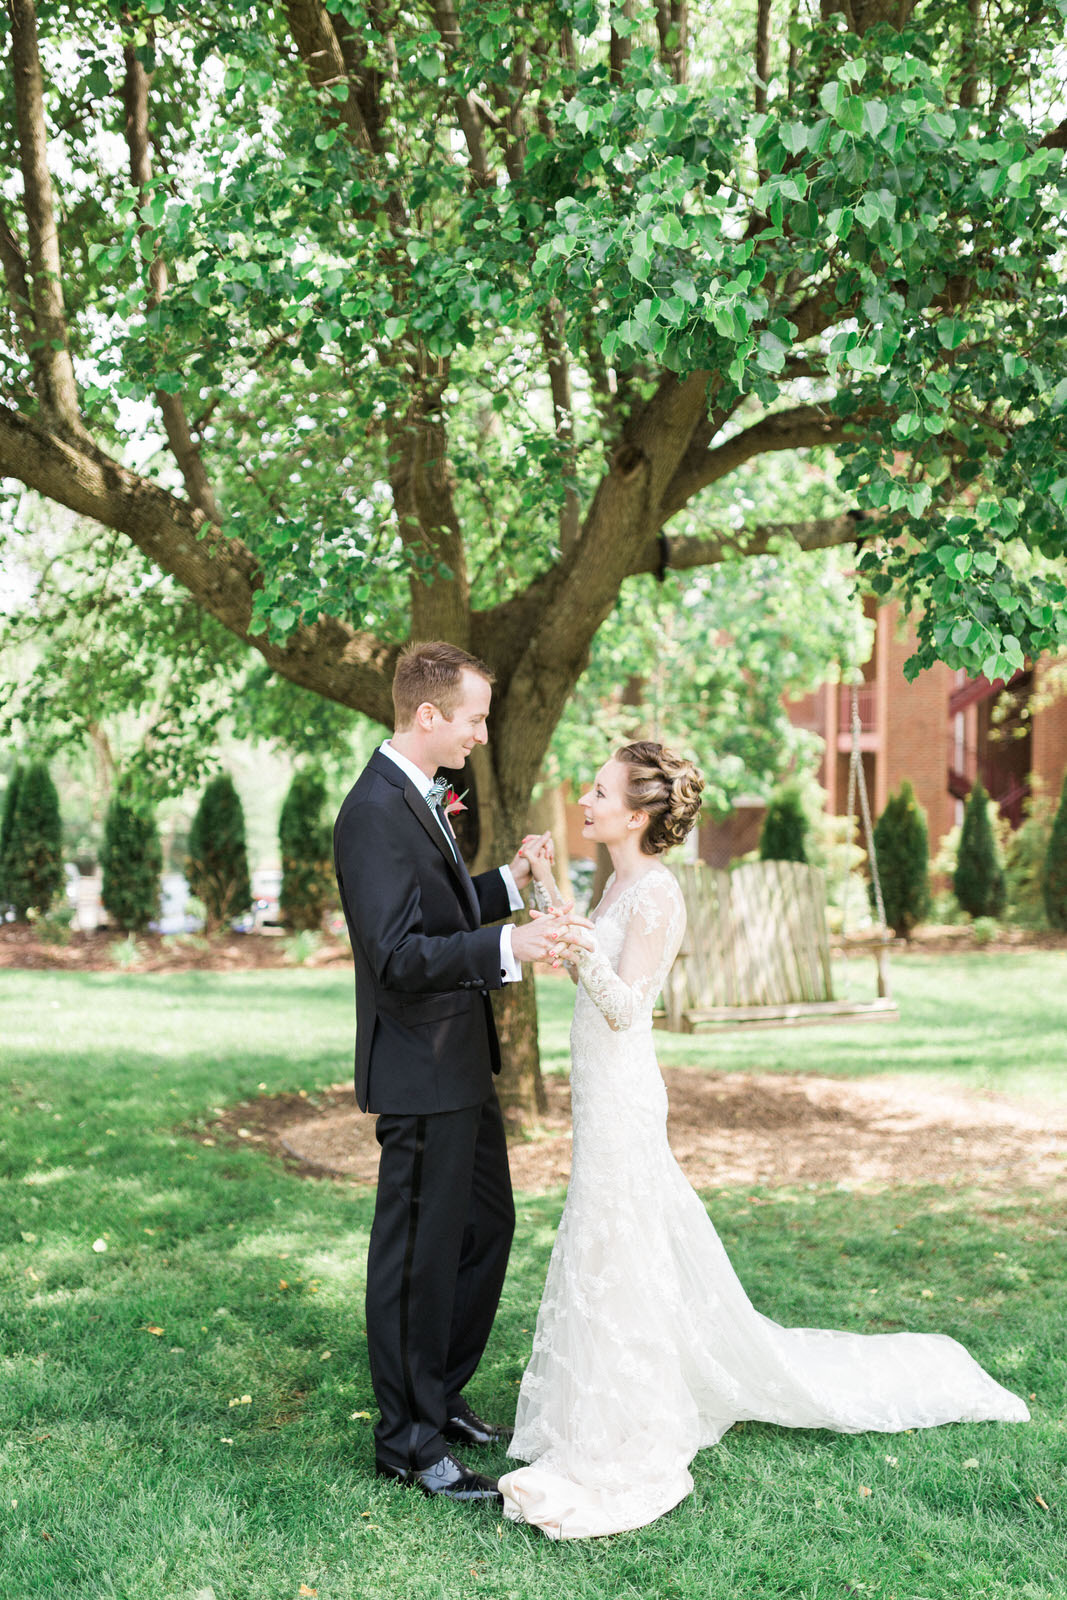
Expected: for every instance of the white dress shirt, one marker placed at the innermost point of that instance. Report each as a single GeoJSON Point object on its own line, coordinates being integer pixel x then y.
{"type": "Point", "coordinates": [510, 969]}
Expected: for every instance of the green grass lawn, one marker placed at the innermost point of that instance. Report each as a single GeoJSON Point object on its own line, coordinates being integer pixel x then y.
{"type": "Point", "coordinates": [127, 1471]}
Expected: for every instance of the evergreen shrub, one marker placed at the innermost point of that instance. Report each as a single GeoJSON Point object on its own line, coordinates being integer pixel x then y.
{"type": "Point", "coordinates": [33, 857]}
{"type": "Point", "coordinates": [1024, 865]}
{"type": "Point", "coordinates": [305, 840]}
{"type": "Point", "coordinates": [7, 825]}
{"type": "Point", "coordinates": [784, 827]}
{"type": "Point", "coordinates": [131, 861]}
{"type": "Point", "coordinates": [901, 847]}
{"type": "Point", "coordinates": [1054, 876]}
{"type": "Point", "coordinates": [217, 864]}
{"type": "Point", "coordinates": [978, 881]}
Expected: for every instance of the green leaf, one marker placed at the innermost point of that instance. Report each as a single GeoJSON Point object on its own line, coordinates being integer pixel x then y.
{"type": "Point", "coordinates": [875, 116]}
{"type": "Point", "coordinates": [794, 137]}
{"type": "Point", "coordinates": [951, 332]}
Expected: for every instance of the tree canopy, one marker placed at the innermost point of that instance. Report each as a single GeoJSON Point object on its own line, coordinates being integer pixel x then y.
{"type": "Point", "coordinates": [433, 319]}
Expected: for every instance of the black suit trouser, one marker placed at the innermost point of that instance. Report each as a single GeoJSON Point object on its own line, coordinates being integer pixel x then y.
{"type": "Point", "coordinates": [439, 1244]}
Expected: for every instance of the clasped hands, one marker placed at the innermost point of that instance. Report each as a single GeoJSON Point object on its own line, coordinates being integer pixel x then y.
{"type": "Point", "coordinates": [556, 935]}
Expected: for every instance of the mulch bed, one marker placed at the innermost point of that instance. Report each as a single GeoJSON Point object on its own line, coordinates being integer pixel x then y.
{"type": "Point", "coordinates": [727, 1129]}
{"type": "Point", "coordinates": [21, 947]}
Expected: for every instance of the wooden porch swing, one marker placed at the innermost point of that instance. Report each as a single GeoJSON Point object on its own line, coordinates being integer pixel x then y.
{"type": "Point", "coordinates": [756, 952]}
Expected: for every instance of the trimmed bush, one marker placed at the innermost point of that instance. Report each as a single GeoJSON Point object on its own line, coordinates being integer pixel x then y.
{"type": "Point", "coordinates": [979, 878]}
{"type": "Point", "coordinates": [131, 861]}
{"type": "Point", "coordinates": [7, 826]}
{"type": "Point", "coordinates": [784, 827]}
{"type": "Point", "coordinates": [33, 859]}
{"type": "Point", "coordinates": [217, 865]}
{"type": "Point", "coordinates": [1054, 877]}
{"type": "Point", "coordinates": [901, 847]}
{"type": "Point", "coordinates": [1024, 866]}
{"type": "Point", "coordinates": [305, 840]}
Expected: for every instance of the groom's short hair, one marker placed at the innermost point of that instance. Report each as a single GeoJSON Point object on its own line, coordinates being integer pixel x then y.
{"type": "Point", "coordinates": [431, 672]}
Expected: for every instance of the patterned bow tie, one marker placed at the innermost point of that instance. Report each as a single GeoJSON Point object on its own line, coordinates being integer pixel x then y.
{"type": "Point", "coordinates": [437, 792]}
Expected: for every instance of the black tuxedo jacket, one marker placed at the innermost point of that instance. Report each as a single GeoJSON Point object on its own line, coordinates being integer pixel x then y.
{"type": "Point", "coordinates": [425, 1037]}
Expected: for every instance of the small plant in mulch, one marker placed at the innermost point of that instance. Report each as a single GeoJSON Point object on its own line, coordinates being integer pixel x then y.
{"type": "Point", "coordinates": [901, 846]}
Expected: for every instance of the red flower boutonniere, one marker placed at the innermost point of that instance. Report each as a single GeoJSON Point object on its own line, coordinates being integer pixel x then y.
{"type": "Point", "coordinates": [454, 803]}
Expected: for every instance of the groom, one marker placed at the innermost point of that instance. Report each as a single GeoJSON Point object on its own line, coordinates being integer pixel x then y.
{"type": "Point", "coordinates": [426, 1052]}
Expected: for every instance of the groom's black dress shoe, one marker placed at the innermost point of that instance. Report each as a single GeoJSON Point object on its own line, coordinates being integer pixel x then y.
{"type": "Point", "coordinates": [448, 1478]}
{"type": "Point", "coordinates": [463, 1427]}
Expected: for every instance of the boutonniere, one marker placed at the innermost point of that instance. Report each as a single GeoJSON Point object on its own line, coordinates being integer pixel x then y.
{"type": "Point", "coordinates": [453, 802]}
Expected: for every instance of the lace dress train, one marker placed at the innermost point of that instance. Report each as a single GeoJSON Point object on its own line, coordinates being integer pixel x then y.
{"type": "Point", "coordinates": [647, 1347]}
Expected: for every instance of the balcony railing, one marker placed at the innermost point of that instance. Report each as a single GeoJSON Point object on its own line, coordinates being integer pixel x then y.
{"type": "Point", "coordinates": [867, 698]}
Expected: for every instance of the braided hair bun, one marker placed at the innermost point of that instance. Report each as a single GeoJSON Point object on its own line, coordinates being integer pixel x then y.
{"type": "Point", "coordinates": [664, 785]}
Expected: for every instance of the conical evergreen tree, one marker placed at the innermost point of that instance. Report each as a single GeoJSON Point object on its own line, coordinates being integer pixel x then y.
{"type": "Point", "coordinates": [979, 878]}
{"type": "Point", "coordinates": [784, 827]}
{"type": "Point", "coordinates": [7, 827]}
{"type": "Point", "coordinates": [33, 868]}
{"type": "Point", "coordinates": [131, 861]}
{"type": "Point", "coordinates": [901, 847]}
{"type": "Point", "coordinates": [306, 843]}
{"type": "Point", "coordinates": [217, 865]}
{"type": "Point", "coordinates": [1054, 877]}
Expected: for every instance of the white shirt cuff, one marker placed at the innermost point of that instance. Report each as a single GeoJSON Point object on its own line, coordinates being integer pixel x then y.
{"type": "Point", "coordinates": [510, 969]}
{"type": "Point", "coordinates": [515, 900]}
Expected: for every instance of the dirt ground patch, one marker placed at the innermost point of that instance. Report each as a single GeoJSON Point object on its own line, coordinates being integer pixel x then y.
{"type": "Point", "coordinates": [730, 1129]}
{"type": "Point", "coordinates": [107, 951]}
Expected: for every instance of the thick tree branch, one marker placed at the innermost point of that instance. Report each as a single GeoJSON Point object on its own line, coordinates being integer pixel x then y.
{"type": "Point", "coordinates": [136, 84]}
{"type": "Point", "coordinates": [316, 40]}
{"type": "Point", "coordinates": [580, 592]}
{"type": "Point", "coordinates": [366, 80]}
{"type": "Point", "coordinates": [51, 354]}
{"type": "Point", "coordinates": [800, 428]}
{"type": "Point", "coordinates": [763, 53]}
{"type": "Point", "coordinates": [422, 488]}
{"type": "Point", "coordinates": [619, 46]}
{"type": "Point", "coordinates": [559, 374]}
{"type": "Point", "coordinates": [511, 129]}
{"type": "Point", "coordinates": [18, 289]}
{"type": "Point", "coordinates": [707, 550]}
{"type": "Point", "coordinates": [220, 573]}
{"type": "Point", "coordinates": [1055, 139]}
{"type": "Point", "coordinates": [672, 25]}
{"type": "Point", "coordinates": [466, 110]}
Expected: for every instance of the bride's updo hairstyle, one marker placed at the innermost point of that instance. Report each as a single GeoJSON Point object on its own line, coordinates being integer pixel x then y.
{"type": "Point", "coordinates": [664, 785]}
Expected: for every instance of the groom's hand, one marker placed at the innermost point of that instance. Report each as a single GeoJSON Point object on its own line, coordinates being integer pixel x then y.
{"type": "Point", "coordinates": [545, 936]}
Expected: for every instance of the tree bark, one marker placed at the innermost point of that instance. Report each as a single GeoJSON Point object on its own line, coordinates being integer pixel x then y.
{"type": "Point", "coordinates": [50, 352]}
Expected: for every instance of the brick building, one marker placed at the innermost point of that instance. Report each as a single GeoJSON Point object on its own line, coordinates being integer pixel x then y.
{"type": "Point", "coordinates": [941, 731]}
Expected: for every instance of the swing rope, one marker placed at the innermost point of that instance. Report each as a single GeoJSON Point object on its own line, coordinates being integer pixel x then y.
{"type": "Point", "coordinates": [857, 780]}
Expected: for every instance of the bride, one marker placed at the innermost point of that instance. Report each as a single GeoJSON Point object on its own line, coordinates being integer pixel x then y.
{"type": "Point", "coordinates": [647, 1347]}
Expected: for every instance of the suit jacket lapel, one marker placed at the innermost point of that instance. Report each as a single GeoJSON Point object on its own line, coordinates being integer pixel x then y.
{"type": "Point", "coordinates": [416, 804]}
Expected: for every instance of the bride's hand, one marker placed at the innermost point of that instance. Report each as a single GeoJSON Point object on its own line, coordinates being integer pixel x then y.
{"type": "Point", "coordinates": [539, 851]}
{"type": "Point", "coordinates": [570, 934]}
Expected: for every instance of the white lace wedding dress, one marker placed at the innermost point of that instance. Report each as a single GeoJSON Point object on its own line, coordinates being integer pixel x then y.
{"type": "Point", "coordinates": [647, 1348]}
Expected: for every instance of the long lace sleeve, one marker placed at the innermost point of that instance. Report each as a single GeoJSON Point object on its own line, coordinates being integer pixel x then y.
{"type": "Point", "coordinates": [547, 897]}
{"type": "Point", "coordinates": [653, 935]}
{"type": "Point", "coordinates": [542, 897]}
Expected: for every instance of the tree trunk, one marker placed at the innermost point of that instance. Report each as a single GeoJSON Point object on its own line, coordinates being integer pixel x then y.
{"type": "Point", "coordinates": [520, 1085]}
{"type": "Point", "coordinates": [521, 1090]}
{"type": "Point", "coordinates": [548, 814]}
